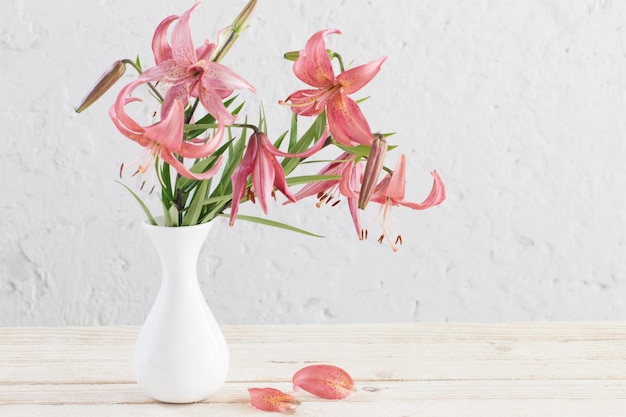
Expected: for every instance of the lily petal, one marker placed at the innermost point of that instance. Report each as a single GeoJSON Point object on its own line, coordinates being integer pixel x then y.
{"type": "Point", "coordinates": [185, 172]}
{"type": "Point", "coordinates": [160, 47]}
{"type": "Point", "coordinates": [239, 178]}
{"type": "Point", "coordinates": [169, 131]}
{"type": "Point", "coordinates": [347, 123]}
{"type": "Point", "coordinates": [271, 399]}
{"type": "Point", "coordinates": [392, 189]}
{"type": "Point", "coordinates": [435, 197]}
{"type": "Point", "coordinates": [355, 78]}
{"type": "Point", "coordinates": [325, 381]}
{"type": "Point", "coordinates": [313, 66]}
{"type": "Point", "coordinates": [202, 148]}
{"type": "Point", "coordinates": [182, 45]}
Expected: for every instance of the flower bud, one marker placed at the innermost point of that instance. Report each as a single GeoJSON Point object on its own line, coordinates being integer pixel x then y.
{"type": "Point", "coordinates": [375, 162]}
{"type": "Point", "coordinates": [240, 22]}
{"type": "Point", "coordinates": [103, 84]}
{"type": "Point", "coordinates": [292, 56]}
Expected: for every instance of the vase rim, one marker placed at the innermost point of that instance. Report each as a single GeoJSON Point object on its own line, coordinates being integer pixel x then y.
{"type": "Point", "coordinates": [160, 223]}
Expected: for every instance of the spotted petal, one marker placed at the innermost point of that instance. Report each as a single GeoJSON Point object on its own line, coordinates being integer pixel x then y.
{"type": "Point", "coordinates": [324, 381]}
{"type": "Point", "coordinates": [313, 66]}
{"type": "Point", "coordinates": [271, 399]}
{"type": "Point", "coordinates": [160, 47]}
{"type": "Point", "coordinates": [347, 123]}
{"type": "Point", "coordinates": [354, 79]}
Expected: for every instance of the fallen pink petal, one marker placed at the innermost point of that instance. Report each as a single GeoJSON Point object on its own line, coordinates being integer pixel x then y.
{"type": "Point", "coordinates": [271, 399]}
{"type": "Point", "coordinates": [324, 381]}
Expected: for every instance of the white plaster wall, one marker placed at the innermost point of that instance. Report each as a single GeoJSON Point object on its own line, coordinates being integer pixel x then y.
{"type": "Point", "coordinates": [519, 105]}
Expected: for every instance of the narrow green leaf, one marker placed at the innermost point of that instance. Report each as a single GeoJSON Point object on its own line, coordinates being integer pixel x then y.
{"type": "Point", "coordinates": [172, 217]}
{"type": "Point", "coordinates": [272, 223]}
{"type": "Point", "coordinates": [306, 179]}
{"type": "Point", "coordinates": [360, 150]}
{"type": "Point", "coordinates": [279, 141]}
{"type": "Point", "coordinates": [313, 133]}
{"type": "Point", "coordinates": [167, 220]}
{"type": "Point", "coordinates": [141, 203]}
{"type": "Point", "coordinates": [195, 207]}
{"type": "Point", "coordinates": [293, 131]}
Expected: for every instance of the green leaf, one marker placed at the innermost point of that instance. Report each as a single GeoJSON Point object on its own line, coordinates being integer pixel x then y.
{"type": "Point", "coordinates": [279, 141]}
{"type": "Point", "coordinates": [272, 223]}
{"type": "Point", "coordinates": [141, 203]}
{"type": "Point", "coordinates": [208, 121]}
{"type": "Point", "coordinates": [172, 216]}
{"type": "Point", "coordinates": [200, 166]}
{"type": "Point", "coordinates": [313, 132]}
{"type": "Point", "coordinates": [195, 207]}
{"type": "Point", "coordinates": [360, 150]}
{"type": "Point", "coordinates": [306, 179]}
{"type": "Point", "coordinates": [293, 131]}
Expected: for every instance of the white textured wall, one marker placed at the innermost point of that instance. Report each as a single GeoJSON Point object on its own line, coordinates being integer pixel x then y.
{"type": "Point", "coordinates": [520, 105]}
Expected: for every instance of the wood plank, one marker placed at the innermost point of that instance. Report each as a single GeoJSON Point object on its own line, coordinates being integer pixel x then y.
{"type": "Point", "coordinates": [401, 370]}
{"type": "Point", "coordinates": [367, 391]}
{"type": "Point", "coordinates": [425, 408]}
{"type": "Point", "coordinates": [274, 353]}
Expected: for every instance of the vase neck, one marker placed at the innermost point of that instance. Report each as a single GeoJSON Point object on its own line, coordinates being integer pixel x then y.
{"type": "Point", "coordinates": [178, 247]}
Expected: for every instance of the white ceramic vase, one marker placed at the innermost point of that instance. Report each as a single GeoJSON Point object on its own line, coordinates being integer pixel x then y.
{"type": "Point", "coordinates": [181, 355]}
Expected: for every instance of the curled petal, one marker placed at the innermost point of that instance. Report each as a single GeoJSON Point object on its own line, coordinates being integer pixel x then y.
{"type": "Point", "coordinates": [355, 78]}
{"type": "Point", "coordinates": [199, 148]}
{"type": "Point", "coordinates": [160, 47]}
{"type": "Point", "coordinates": [185, 172]}
{"type": "Point", "coordinates": [313, 65]}
{"type": "Point", "coordinates": [325, 381]}
{"type": "Point", "coordinates": [335, 167]}
{"type": "Point", "coordinates": [391, 189]}
{"type": "Point", "coordinates": [435, 197]}
{"type": "Point", "coordinates": [271, 399]}
{"type": "Point", "coordinates": [169, 131]}
{"type": "Point", "coordinates": [308, 102]}
{"type": "Point", "coordinates": [182, 44]}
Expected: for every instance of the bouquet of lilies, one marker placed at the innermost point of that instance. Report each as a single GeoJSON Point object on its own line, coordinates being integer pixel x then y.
{"type": "Point", "coordinates": [208, 161]}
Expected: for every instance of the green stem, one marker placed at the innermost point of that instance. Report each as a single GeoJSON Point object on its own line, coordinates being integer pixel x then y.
{"type": "Point", "coordinates": [225, 47]}
{"type": "Point", "coordinates": [152, 87]}
{"type": "Point", "coordinates": [340, 59]}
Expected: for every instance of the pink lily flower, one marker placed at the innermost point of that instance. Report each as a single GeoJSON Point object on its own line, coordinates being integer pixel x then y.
{"type": "Point", "coordinates": [327, 190]}
{"type": "Point", "coordinates": [390, 192]}
{"type": "Point", "coordinates": [271, 399]}
{"type": "Point", "coordinates": [346, 121]}
{"type": "Point", "coordinates": [260, 162]}
{"type": "Point", "coordinates": [187, 72]}
{"type": "Point", "coordinates": [324, 381]}
{"type": "Point", "coordinates": [164, 139]}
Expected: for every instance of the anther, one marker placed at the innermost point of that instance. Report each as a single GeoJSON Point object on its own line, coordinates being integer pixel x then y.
{"type": "Point", "coordinates": [335, 203]}
{"type": "Point", "coordinates": [121, 170]}
{"type": "Point", "coordinates": [398, 239]}
{"type": "Point", "coordinates": [251, 196]}
{"type": "Point", "coordinates": [381, 238]}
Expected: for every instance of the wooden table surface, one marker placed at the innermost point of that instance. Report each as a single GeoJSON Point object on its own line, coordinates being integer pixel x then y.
{"type": "Point", "coordinates": [400, 370]}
